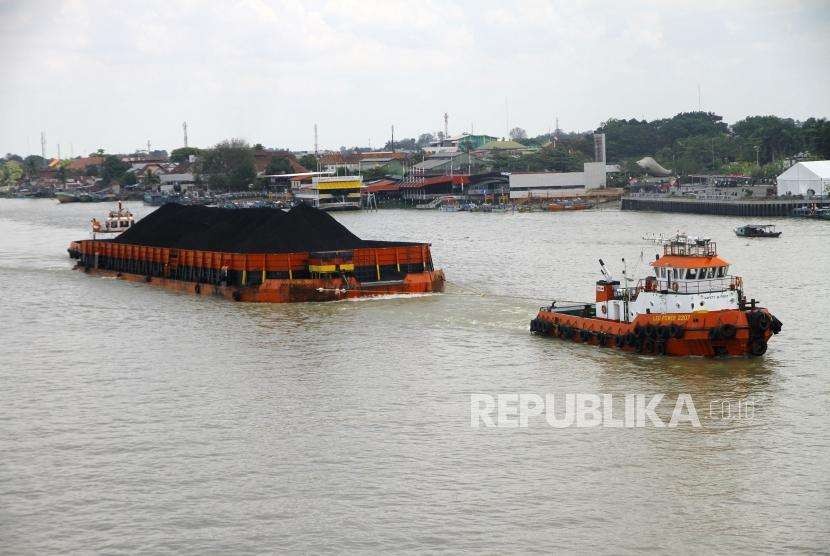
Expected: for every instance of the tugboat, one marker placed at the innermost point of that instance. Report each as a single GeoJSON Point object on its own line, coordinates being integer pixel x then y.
{"type": "Point", "coordinates": [119, 220]}
{"type": "Point", "coordinates": [690, 306]}
{"type": "Point", "coordinates": [757, 230]}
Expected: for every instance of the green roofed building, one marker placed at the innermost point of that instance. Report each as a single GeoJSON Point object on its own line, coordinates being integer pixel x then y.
{"type": "Point", "coordinates": [506, 147]}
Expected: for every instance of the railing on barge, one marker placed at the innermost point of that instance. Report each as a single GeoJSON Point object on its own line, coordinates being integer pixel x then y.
{"type": "Point", "coordinates": [366, 263]}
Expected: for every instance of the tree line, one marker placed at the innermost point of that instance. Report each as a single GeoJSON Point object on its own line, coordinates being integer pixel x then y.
{"type": "Point", "coordinates": [689, 142]}
{"type": "Point", "coordinates": [692, 142]}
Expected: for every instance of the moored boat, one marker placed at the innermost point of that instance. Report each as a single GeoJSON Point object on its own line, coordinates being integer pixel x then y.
{"type": "Point", "coordinates": [569, 205]}
{"type": "Point", "coordinates": [757, 230]}
{"type": "Point", "coordinates": [689, 306]}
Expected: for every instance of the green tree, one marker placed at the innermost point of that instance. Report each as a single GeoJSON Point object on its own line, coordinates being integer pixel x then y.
{"type": "Point", "coordinates": [517, 134]}
{"type": "Point", "coordinates": [424, 140]}
{"type": "Point", "coordinates": [229, 165]}
{"type": "Point", "coordinates": [278, 165]}
{"type": "Point", "coordinates": [129, 179]}
{"type": "Point", "coordinates": [10, 172]}
{"type": "Point", "coordinates": [775, 137]}
{"type": "Point", "coordinates": [113, 168]}
{"type": "Point", "coordinates": [183, 154]}
{"type": "Point", "coordinates": [62, 170]}
{"type": "Point", "coordinates": [34, 163]}
{"type": "Point", "coordinates": [816, 137]}
{"type": "Point", "coordinates": [309, 161]}
{"type": "Point", "coordinates": [151, 179]}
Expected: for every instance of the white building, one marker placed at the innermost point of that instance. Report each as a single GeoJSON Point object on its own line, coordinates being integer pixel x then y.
{"type": "Point", "coordinates": [559, 184]}
{"type": "Point", "coordinates": [806, 178]}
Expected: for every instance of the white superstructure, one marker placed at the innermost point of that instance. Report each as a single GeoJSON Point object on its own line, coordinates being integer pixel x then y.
{"type": "Point", "coordinates": [688, 278]}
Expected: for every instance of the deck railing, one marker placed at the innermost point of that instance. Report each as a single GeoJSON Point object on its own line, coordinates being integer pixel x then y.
{"type": "Point", "coordinates": [712, 285]}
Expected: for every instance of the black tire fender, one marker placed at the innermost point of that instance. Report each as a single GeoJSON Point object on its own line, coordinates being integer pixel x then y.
{"type": "Point", "coordinates": [728, 331]}
{"type": "Point", "coordinates": [757, 347]}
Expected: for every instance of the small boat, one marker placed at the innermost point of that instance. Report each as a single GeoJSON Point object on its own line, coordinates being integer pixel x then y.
{"type": "Point", "coordinates": [688, 305]}
{"type": "Point", "coordinates": [757, 230]}
{"type": "Point", "coordinates": [67, 197]}
{"type": "Point", "coordinates": [569, 205]}
{"type": "Point", "coordinates": [812, 211]}
{"type": "Point", "coordinates": [119, 220]}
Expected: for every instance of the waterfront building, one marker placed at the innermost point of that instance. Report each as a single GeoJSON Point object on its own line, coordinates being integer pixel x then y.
{"type": "Point", "coordinates": [806, 178]}
{"type": "Point", "coordinates": [330, 192]}
{"type": "Point", "coordinates": [528, 185]}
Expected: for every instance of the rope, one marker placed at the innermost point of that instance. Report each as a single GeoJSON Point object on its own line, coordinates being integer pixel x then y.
{"type": "Point", "coordinates": [468, 292]}
{"type": "Point", "coordinates": [477, 293]}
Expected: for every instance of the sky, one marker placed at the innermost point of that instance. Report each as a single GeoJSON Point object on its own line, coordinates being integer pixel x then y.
{"type": "Point", "coordinates": [115, 74]}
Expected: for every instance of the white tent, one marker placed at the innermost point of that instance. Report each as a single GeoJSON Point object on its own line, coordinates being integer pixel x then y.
{"type": "Point", "coordinates": [806, 178]}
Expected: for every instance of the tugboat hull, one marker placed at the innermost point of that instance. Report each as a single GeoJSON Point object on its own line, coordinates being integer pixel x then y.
{"type": "Point", "coordinates": [707, 334]}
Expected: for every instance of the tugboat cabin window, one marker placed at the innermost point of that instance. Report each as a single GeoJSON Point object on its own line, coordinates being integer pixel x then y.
{"type": "Point", "coordinates": [691, 274]}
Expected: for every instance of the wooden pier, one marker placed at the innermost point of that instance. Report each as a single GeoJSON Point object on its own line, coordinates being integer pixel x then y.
{"type": "Point", "coordinates": [722, 207]}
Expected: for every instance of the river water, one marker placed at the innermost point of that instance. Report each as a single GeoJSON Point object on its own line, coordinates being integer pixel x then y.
{"type": "Point", "coordinates": [137, 419]}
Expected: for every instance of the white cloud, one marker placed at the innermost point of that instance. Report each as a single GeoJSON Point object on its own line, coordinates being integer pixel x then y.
{"type": "Point", "coordinates": [96, 72]}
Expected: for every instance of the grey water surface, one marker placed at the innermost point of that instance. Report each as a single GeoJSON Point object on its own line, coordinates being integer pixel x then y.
{"type": "Point", "coordinates": [135, 419]}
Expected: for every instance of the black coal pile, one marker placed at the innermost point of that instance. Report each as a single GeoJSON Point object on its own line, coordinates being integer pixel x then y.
{"type": "Point", "coordinates": [244, 230]}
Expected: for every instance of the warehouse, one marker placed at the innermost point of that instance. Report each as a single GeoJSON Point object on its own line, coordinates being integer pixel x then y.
{"type": "Point", "coordinates": [558, 184]}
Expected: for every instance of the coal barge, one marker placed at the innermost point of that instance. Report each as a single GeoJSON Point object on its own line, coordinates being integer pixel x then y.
{"type": "Point", "coordinates": [259, 255]}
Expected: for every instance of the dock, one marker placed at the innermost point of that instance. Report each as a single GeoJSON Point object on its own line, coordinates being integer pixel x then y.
{"type": "Point", "coordinates": [722, 207]}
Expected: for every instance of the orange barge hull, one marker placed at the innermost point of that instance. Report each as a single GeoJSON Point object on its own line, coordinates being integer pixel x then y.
{"type": "Point", "coordinates": [731, 332]}
{"type": "Point", "coordinates": [267, 278]}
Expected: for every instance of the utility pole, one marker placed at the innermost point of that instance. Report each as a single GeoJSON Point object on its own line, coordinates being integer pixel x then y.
{"type": "Point", "coordinates": [184, 128]}
{"type": "Point", "coordinates": [315, 140]}
{"type": "Point", "coordinates": [446, 126]}
{"type": "Point", "coordinates": [393, 138]}
{"type": "Point", "coordinates": [148, 148]}
{"type": "Point", "coordinates": [506, 119]}
{"type": "Point", "coordinates": [43, 144]}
